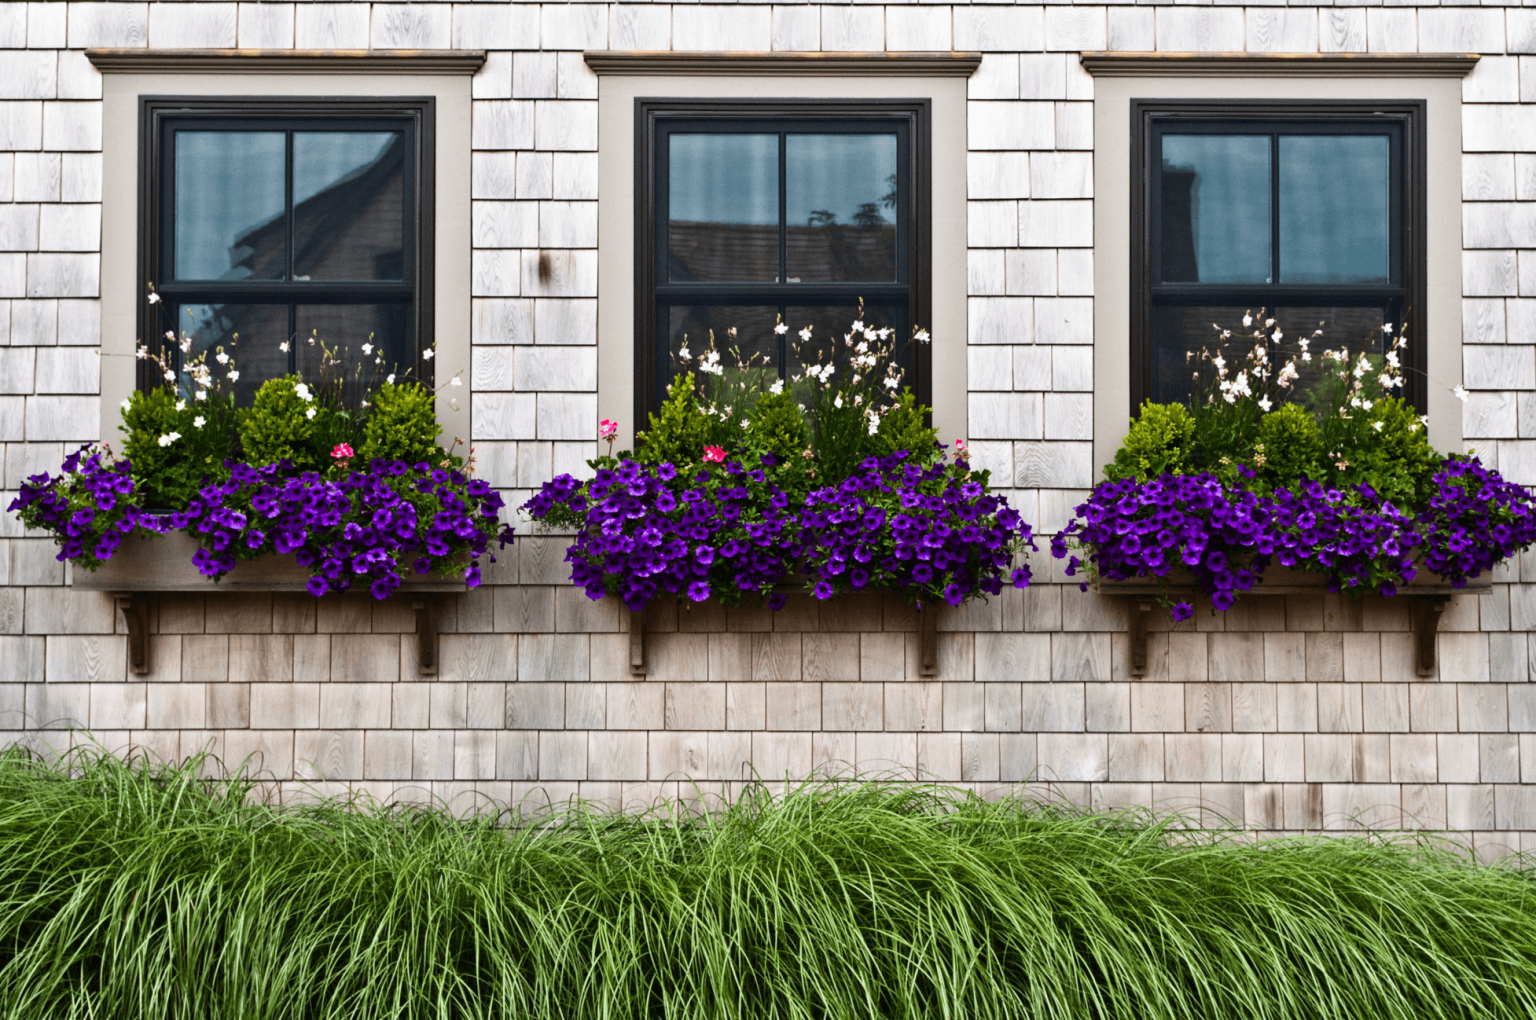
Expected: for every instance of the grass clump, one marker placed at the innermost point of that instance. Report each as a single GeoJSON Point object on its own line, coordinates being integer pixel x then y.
{"type": "Point", "coordinates": [131, 890]}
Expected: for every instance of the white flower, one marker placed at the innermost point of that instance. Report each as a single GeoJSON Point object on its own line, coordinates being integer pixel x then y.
{"type": "Point", "coordinates": [921, 336]}
{"type": "Point", "coordinates": [1387, 328]}
{"type": "Point", "coordinates": [181, 405]}
{"type": "Point", "coordinates": [1247, 321]}
{"type": "Point", "coordinates": [199, 422]}
{"type": "Point", "coordinates": [427, 354]}
{"type": "Point", "coordinates": [367, 348]}
{"type": "Point", "coordinates": [805, 334]}
{"type": "Point", "coordinates": [837, 401]}
{"type": "Point", "coordinates": [124, 405]}
{"type": "Point", "coordinates": [168, 438]}
{"type": "Point", "coordinates": [891, 382]}
{"type": "Point", "coordinates": [390, 378]}
{"type": "Point", "coordinates": [309, 413]}
{"type": "Point", "coordinates": [302, 392]}
{"type": "Point", "coordinates": [682, 353]}
{"type": "Point", "coordinates": [142, 353]}
{"type": "Point", "coordinates": [1461, 393]}
{"type": "Point", "coordinates": [170, 376]}
{"type": "Point", "coordinates": [154, 298]}
{"type": "Point", "coordinates": [233, 375]}
{"type": "Point", "coordinates": [1276, 335]}
{"type": "Point", "coordinates": [1377, 425]}
{"type": "Point", "coordinates": [221, 358]}
{"type": "Point", "coordinates": [1424, 420]}
{"type": "Point", "coordinates": [746, 425]}
{"type": "Point", "coordinates": [1268, 323]}
{"type": "Point", "coordinates": [777, 387]}
{"type": "Point", "coordinates": [170, 335]}
{"type": "Point", "coordinates": [201, 394]}
{"type": "Point", "coordinates": [283, 346]}
{"type": "Point", "coordinates": [874, 425]}
{"type": "Point", "coordinates": [186, 345]}
{"type": "Point", "coordinates": [1265, 403]}
{"type": "Point", "coordinates": [456, 381]}
{"type": "Point", "coordinates": [1392, 359]}
{"type": "Point", "coordinates": [858, 325]}
{"type": "Point", "coordinates": [781, 329]}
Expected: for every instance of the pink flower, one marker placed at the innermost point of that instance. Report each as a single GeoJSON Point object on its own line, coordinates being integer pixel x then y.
{"type": "Point", "coordinates": [959, 445]}
{"type": "Point", "coordinates": [713, 454]}
{"type": "Point", "coordinates": [342, 451]}
{"type": "Point", "coordinates": [607, 429]}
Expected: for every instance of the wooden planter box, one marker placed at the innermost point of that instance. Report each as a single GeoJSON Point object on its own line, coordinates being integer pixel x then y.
{"type": "Point", "coordinates": [1427, 594]}
{"type": "Point", "coordinates": [148, 565]}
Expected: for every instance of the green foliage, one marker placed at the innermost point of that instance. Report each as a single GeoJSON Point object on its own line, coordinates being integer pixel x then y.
{"type": "Point", "coordinates": [1395, 458]}
{"type": "Point", "coordinates": [279, 425]}
{"type": "Point", "coordinates": [1289, 447]}
{"type": "Point", "coordinates": [1158, 443]}
{"type": "Point", "coordinates": [777, 426]}
{"type": "Point", "coordinates": [145, 890]}
{"type": "Point", "coordinates": [167, 475]}
{"type": "Point", "coordinates": [904, 426]}
{"type": "Point", "coordinates": [402, 425]}
{"type": "Point", "coordinates": [678, 433]}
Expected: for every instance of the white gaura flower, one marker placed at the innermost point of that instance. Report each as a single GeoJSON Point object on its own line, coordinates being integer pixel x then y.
{"type": "Point", "coordinates": [682, 354]}
{"type": "Point", "coordinates": [233, 375]}
{"type": "Point", "coordinates": [921, 336]}
{"type": "Point", "coordinates": [302, 392]}
{"type": "Point", "coordinates": [201, 394]}
{"type": "Point", "coordinates": [199, 422]}
{"type": "Point", "coordinates": [124, 405]}
{"type": "Point", "coordinates": [168, 438]}
{"type": "Point", "coordinates": [1247, 321]}
{"type": "Point", "coordinates": [1276, 335]}
{"type": "Point", "coordinates": [221, 358]}
{"type": "Point", "coordinates": [310, 413]}
{"type": "Point", "coordinates": [186, 345]}
{"type": "Point", "coordinates": [837, 401]}
{"type": "Point", "coordinates": [805, 334]}
{"type": "Point", "coordinates": [777, 387]}
{"type": "Point", "coordinates": [874, 424]}
{"type": "Point", "coordinates": [367, 348]}
{"type": "Point", "coordinates": [170, 335]}
{"type": "Point", "coordinates": [1461, 394]}
{"type": "Point", "coordinates": [1377, 425]}
{"type": "Point", "coordinates": [858, 326]}
{"type": "Point", "coordinates": [781, 329]}
{"type": "Point", "coordinates": [170, 376]}
{"type": "Point", "coordinates": [390, 378]}
{"type": "Point", "coordinates": [154, 298]}
{"type": "Point", "coordinates": [1268, 323]}
{"type": "Point", "coordinates": [1387, 329]}
{"type": "Point", "coordinates": [456, 381]}
{"type": "Point", "coordinates": [283, 346]}
{"type": "Point", "coordinates": [181, 405]}
{"type": "Point", "coordinates": [427, 354]}
{"type": "Point", "coordinates": [1264, 402]}
{"type": "Point", "coordinates": [891, 382]}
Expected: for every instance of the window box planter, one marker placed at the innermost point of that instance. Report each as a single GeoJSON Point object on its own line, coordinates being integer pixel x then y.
{"type": "Point", "coordinates": [149, 565]}
{"type": "Point", "coordinates": [1427, 594]}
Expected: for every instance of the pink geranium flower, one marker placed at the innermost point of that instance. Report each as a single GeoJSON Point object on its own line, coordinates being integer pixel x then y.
{"type": "Point", "coordinates": [342, 451]}
{"type": "Point", "coordinates": [713, 454]}
{"type": "Point", "coordinates": [607, 429]}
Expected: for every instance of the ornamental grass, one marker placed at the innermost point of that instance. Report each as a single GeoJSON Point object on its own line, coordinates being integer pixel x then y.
{"type": "Point", "coordinates": [134, 891]}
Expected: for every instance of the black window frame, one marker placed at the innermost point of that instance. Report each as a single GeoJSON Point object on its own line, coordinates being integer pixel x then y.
{"type": "Point", "coordinates": [1407, 277]}
{"type": "Point", "coordinates": [416, 114]}
{"type": "Point", "coordinates": [655, 116]}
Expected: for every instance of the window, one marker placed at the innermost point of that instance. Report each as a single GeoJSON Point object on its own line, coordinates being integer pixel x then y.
{"type": "Point", "coordinates": [1312, 211]}
{"type": "Point", "coordinates": [752, 211]}
{"type": "Point", "coordinates": [272, 221]}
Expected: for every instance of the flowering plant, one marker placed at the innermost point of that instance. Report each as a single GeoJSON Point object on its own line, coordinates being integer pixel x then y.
{"type": "Point", "coordinates": [733, 496]}
{"type": "Point", "coordinates": [1234, 482]}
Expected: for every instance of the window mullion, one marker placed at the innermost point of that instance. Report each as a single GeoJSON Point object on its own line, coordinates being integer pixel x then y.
{"type": "Point", "coordinates": [1274, 208]}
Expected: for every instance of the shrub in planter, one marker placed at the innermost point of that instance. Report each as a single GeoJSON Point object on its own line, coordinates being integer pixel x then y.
{"type": "Point", "coordinates": [1338, 478]}
{"type": "Point", "coordinates": [251, 482]}
{"type": "Point", "coordinates": [735, 493]}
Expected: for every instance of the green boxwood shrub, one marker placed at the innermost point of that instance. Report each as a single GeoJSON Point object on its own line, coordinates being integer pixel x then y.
{"type": "Point", "coordinates": [1157, 444]}
{"type": "Point", "coordinates": [402, 425]}
{"type": "Point", "coordinates": [281, 425]}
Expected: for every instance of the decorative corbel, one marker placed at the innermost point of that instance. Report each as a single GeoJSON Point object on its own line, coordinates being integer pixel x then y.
{"type": "Point", "coordinates": [928, 639]}
{"type": "Point", "coordinates": [1424, 614]}
{"type": "Point", "coordinates": [427, 612]}
{"type": "Point", "coordinates": [637, 665]}
{"type": "Point", "coordinates": [135, 608]}
{"type": "Point", "coordinates": [1141, 613]}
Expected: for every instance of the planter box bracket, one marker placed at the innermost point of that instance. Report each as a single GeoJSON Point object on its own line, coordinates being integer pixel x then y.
{"type": "Point", "coordinates": [1424, 614]}
{"type": "Point", "coordinates": [135, 609]}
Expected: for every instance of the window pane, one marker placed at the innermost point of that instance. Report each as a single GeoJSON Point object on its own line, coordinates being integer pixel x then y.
{"type": "Point", "coordinates": [751, 353]}
{"type": "Point", "coordinates": [344, 330]}
{"type": "Point", "coordinates": [1176, 331]}
{"type": "Point", "coordinates": [723, 207]}
{"type": "Point", "coordinates": [840, 194]}
{"type": "Point", "coordinates": [348, 205]}
{"type": "Point", "coordinates": [1215, 209]}
{"type": "Point", "coordinates": [249, 334]}
{"type": "Point", "coordinates": [830, 335]}
{"type": "Point", "coordinates": [229, 205]}
{"type": "Point", "coordinates": [1334, 196]}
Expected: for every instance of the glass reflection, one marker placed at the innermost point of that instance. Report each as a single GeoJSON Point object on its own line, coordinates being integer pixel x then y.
{"type": "Point", "coordinates": [1177, 331]}
{"type": "Point", "coordinates": [1334, 197]}
{"type": "Point", "coordinates": [723, 208]}
{"type": "Point", "coordinates": [1215, 209]}
{"type": "Point", "coordinates": [251, 336]}
{"type": "Point", "coordinates": [348, 205]}
{"type": "Point", "coordinates": [344, 330]}
{"type": "Point", "coordinates": [229, 205]}
{"type": "Point", "coordinates": [840, 197]}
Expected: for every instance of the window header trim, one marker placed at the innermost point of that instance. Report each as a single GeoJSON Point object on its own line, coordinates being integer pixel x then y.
{"type": "Point", "coordinates": [181, 61]}
{"type": "Point", "coordinates": [956, 64]}
{"type": "Point", "coordinates": [1119, 64]}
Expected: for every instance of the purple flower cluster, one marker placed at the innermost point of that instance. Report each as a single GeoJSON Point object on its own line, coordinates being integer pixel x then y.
{"type": "Point", "coordinates": [729, 530]}
{"type": "Point", "coordinates": [933, 531]}
{"type": "Point", "coordinates": [725, 531]}
{"type": "Point", "coordinates": [1227, 536]}
{"type": "Point", "coordinates": [364, 528]}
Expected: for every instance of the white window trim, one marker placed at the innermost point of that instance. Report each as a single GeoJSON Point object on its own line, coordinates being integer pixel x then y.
{"type": "Point", "coordinates": [623, 78]}
{"type": "Point", "coordinates": [127, 75]}
{"type": "Point", "coordinates": [1121, 77]}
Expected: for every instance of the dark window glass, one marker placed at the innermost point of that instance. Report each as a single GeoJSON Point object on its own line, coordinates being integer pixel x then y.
{"type": "Point", "coordinates": [278, 227]}
{"type": "Point", "coordinates": [1306, 218]}
{"type": "Point", "coordinates": [764, 217]}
